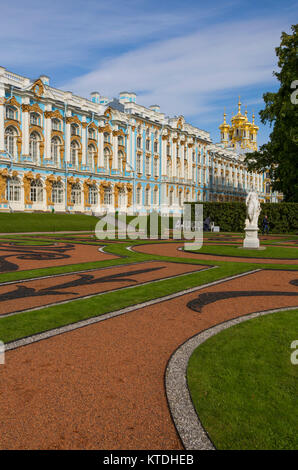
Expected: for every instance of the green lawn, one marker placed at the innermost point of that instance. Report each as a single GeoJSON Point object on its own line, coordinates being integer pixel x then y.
{"type": "Point", "coordinates": [269, 252]}
{"type": "Point", "coordinates": [244, 386]}
{"type": "Point", "coordinates": [45, 222]}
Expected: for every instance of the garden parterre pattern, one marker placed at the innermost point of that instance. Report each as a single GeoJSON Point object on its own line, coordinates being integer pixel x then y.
{"type": "Point", "coordinates": [23, 295]}
{"type": "Point", "coordinates": [14, 258]}
{"type": "Point", "coordinates": [102, 386]}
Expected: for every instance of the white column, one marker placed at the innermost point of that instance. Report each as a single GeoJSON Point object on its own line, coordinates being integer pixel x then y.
{"type": "Point", "coordinates": [115, 152]}
{"type": "Point", "coordinates": [25, 128]}
{"type": "Point", "coordinates": [174, 159]}
{"type": "Point", "coordinates": [47, 133]}
{"type": "Point", "coordinates": [189, 160]}
{"type": "Point", "coordinates": [164, 157]}
{"type": "Point", "coordinates": [67, 143]}
{"type": "Point", "coordinates": [2, 117]}
{"type": "Point", "coordinates": [84, 142]}
{"type": "Point", "coordinates": [100, 149]}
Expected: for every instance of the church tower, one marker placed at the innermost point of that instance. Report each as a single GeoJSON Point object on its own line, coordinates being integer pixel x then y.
{"type": "Point", "coordinates": [241, 134]}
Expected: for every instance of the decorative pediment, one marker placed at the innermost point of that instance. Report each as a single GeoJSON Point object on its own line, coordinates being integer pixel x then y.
{"type": "Point", "coordinates": [108, 113]}
{"type": "Point", "coordinates": [13, 102]}
{"type": "Point", "coordinates": [53, 114]}
{"type": "Point", "coordinates": [73, 120]}
{"type": "Point", "coordinates": [38, 88]}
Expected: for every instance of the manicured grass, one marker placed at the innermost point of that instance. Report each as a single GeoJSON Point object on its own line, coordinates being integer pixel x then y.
{"type": "Point", "coordinates": [269, 252]}
{"type": "Point", "coordinates": [28, 323]}
{"type": "Point", "coordinates": [244, 386]}
{"type": "Point", "coordinates": [45, 222]}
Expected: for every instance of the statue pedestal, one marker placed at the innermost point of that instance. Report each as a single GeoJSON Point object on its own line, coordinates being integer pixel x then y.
{"type": "Point", "coordinates": [251, 239]}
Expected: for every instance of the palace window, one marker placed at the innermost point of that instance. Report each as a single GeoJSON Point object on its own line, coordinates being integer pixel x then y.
{"type": "Point", "coordinates": [138, 164]}
{"type": "Point", "coordinates": [107, 197]}
{"type": "Point", "coordinates": [34, 119]}
{"type": "Point", "coordinates": [120, 160]}
{"type": "Point", "coordinates": [120, 140]}
{"type": "Point", "coordinates": [14, 190]}
{"type": "Point", "coordinates": [155, 196]}
{"type": "Point", "coordinates": [106, 158]}
{"type": "Point", "coordinates": [93, 195]}
{"type": "Point", "coordinates": [148, 166]}
{"type": "Point", "coordinates": [106, 137]}
{"type": "Point", "coordinates": [74, 150]}
{"type": "Point", "coordinates": [147, 197]}
{"type": "Point", "coordinates": [147, 145]}
{"type": "Point", "coordinates": [55, 145]}
{"type": "Point", "coordinates": [91, 155]}
{"type": "Point", "coordinates": [169, 168]}
{"type": "Point", "coordinates": [121, 199]}
{"type": "Point", "coordinates": [11, 141]}
{"type": "Point", "coordinates": [74, 129]}
{"type": "Point", "coordinates": [155, 147]}
{"type": "Point", "coordinates": [57, 193]}
{"type": "Point", "coordinates": [155, 167]}
{"type": "Point", "coordinates": [91, 133]}
{"type": "Point", "coordinates": [34, 147]}
{"type": "Point", "coordinates": [75, 196]}
{"type": "Point", "coordinates": [36, 191]}
{"type": "Point", "coordinates": [11, 113]}
{"type": "Point", "coordinates": [139, 196]}
{"type": "Point", "coordinates": [139, 142]}
{"type": "Point", "coordinates": [56, 124]}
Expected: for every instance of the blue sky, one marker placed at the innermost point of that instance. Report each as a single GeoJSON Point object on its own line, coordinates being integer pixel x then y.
{"type": "Point", "coordinates": [192, 57]}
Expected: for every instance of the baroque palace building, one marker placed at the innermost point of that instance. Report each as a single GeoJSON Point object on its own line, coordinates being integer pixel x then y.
{"type": "Point", "coordinates": [62, 152]}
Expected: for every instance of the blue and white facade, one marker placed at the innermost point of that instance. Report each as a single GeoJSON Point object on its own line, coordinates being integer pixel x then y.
{"type": "Point", "coordinates": [63, 152]}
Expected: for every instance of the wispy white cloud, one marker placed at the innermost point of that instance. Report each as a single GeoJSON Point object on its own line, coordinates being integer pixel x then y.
{"type": "Point", "coordinates": [184, 74]}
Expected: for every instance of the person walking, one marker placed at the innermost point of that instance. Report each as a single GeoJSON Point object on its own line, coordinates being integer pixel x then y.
{"type": "Point", "coordinates": [265, 227]}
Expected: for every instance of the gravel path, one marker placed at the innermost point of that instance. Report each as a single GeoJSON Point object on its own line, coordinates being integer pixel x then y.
{"type": "Point", "coordinates": [102, 386]}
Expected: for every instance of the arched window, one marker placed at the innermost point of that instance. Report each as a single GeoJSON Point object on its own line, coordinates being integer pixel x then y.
{"type": "Point", "coordinates": [106, 158]}
{"type": "Point", "coordinates": [107, 196]}
{"type": "Point", "coordinates": [155, 167]}
{"type": "Point", "coordinates": [93, 195]}
{"type": "Point", "coordinates": [55, 145]}
{"type": "Point", "coordinates": [57, 192]}
{"type": "Point", "coordinates": [147, 197]}
{"type": "Point", "coordinates": [11, 112]}
{"type": "Point", "coordinates": [34, 119]}
{"type": "Point", "coordinates": [139, 163]}
{"type": "Point", "coordinates": [120, 160]}
{"type": "Point", "coordinates": [120, 140]}
{"type": "Point", "coordinates": [148, 166]}
{"type": "Point", "coordinates": [180, 198]}
{"type": "Point", "coordinates": [34, 147]}
{"type": "Point", "coordinates": [106, 137]}
{"type": "Point", "coordinates": [91, 155]}
{"type": "Point", "coordinates": [121, 199]}
{"type": "Point", "coordinates": [11, 141]}
{"type": "Point", "coordinates": [169, 168]}
{"type": "Point", "coordinates": [74, 149]}
{"type": "Point", "coordinates": [155, 196]}
{"type": "Point", "coordinates": [14, 190]}
{"type": "Point", "coordinates": [75, 196]}
{"type": "Point", "coordinates": [139, 196]}
{"type": "Point", "coordinates": [36, 191]}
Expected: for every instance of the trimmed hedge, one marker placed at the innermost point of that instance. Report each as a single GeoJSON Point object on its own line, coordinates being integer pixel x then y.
{"type": "Point", "coordinates": [230, 216]}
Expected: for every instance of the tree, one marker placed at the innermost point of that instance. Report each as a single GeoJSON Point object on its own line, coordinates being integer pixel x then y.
{"type": "Point", "coordinates": [280, 155]}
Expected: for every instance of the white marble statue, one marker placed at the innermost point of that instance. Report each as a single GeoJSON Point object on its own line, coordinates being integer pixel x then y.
{"type": "Point", "coordinates": [253, 209]}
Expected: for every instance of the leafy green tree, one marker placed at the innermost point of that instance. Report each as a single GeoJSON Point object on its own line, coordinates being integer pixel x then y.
{"type": "Point", "coordinates": [280, 155]}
